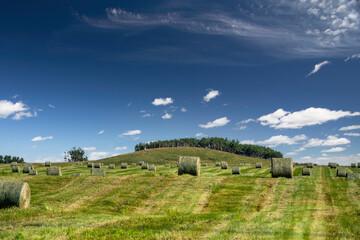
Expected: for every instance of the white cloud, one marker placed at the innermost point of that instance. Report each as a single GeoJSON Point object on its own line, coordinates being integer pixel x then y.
{"type": "Point", "coordinates": [89, 148]}
{"type": "Point", "coordinates": [211, 94]}
{"type": "Point", "coordinates": [130, 133]}
{"type": "Point", "coordinates": [290, 153]}
{"type": "Point", "coordinates": [200, 135]}
{"type": "Point", "coordinates": [239, 128]}
{"type": "Point", "coordinates": [39, 138]}
{"type": "Point", "coordinates": [120, 148]}
{"type": "Point", "coordinates": [162, 101]}
{"type": "Point", "coordinates": [352, 134]}
{"type": "Point", "coordinates": [306, 158]}
{"type": "Point", "coordinates": [52, 106]}
{"type": "Point", "coordinates": [252, 142]}
{"type": "Point", "coordinates": [22, 115]}
{"type": "Point", "coordinates": [15, 96]}
{"type": "Point", "coordinates": [354, 56]}
{"type": "Point", "coordinates": [281, 119]}
{"type": "Point", "coordinates": [101, 132]}
{"type": "Point", "coordinates": [48, 159]}
{"type": "Point", "coordinates": [98, 155]}
{"type": "Point", "coordinates": [281, 139]}
{"type": "Point", "coordinates": [136, 138]}
{"type": "Point", "coordinates": [318, 67]}
{"type": "Point", "coordinates": [146, 115]}
{"type": "Point", "coordinates": [216, 123]}
{"type": "Point", "coordinates": [329, 141]}
{"type": "Point", "coordinates": [245, 121]}
{"type": "Point", "coordinates": [8, 108]}
{"type": "Point", "coordinates": [352, 127]}
{"type": "Point", "coordinates": [334, 149]}
{"type": "Point", "coordinates": [166, 116]}
{"type": "Point", "coordinates": [300, 149]}
{"type": "Point", "coordinates": [183, 109]}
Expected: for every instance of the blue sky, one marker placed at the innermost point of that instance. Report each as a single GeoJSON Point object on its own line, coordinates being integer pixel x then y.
{"type": "Point", "coordinates": [107, 75]}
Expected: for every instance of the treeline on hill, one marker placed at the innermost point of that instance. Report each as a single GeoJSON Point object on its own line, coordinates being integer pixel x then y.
{"type": "Point", "coordinates": [9, 159]}
{"type": "Point", "coordinates": [222, 144]}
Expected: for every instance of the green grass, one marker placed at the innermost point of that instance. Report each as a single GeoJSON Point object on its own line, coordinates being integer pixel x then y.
{"type": "Point", "coordinates": [134, 204]}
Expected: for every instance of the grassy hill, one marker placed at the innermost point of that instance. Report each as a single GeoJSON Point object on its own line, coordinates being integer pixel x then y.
{"type": "Point", "coordinates": [171, 155]}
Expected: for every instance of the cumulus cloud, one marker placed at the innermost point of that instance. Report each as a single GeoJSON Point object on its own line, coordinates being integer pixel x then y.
{"type": "Point", "coordinates": [131, 133]}
{"type": "Point", "coordinates": [334, 149]}
{"type": "Point", "coordinates": [211, 95]}
{"type": "Point", "coordinates": [39, 138]}
{"type": "Point", "coordinates": [101, 132]}
{"type": "Point", "coordinates": [216, 123]}
{"type": "Point", "coordinates": [22, 115]}
{"type": "Point", "coordinates": [354, 56]}
{"type": "Point", "coordinates": [89, 148]}
{"type": "Point", "coordinates": [120, 148]}
{"type": "Point", "coordinates": [352, 134]}
{"type": "Point", "coordinates": [98, 155]}
{"type": "Point", "coordinates": [166, 116]}
{"type": "Point", "coordinates": [8, 108]}
{"type": "Point", "coordinates": [162, 101]}
{"type": "Point", "coordinates": [281, 119]}
{"type": "Point", "coordinates": [318, 66]}
{"type": "Point", "coordinates": [352, 127]}
{"type": "Point", "coordinates": [329, 141]}
{"type": "Point", "coordinates": [278, 140]}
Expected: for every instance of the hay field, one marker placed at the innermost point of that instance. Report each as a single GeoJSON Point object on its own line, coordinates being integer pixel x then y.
{"type": "Point", "coordinates": [135, 204]}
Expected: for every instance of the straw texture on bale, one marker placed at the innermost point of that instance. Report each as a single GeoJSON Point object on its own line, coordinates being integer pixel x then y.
{"type": "Point", "coordinates": [133, 164]}
{"type": "Point", "coordinates": [306, 171]}
{"type": "Point", "coordinates": [15, 169]}
{"type": "Point", "coordinates": [258, 165]}
{"type": "Point", "coordinates": [341, 172]}
{"type": "Point", "coordinates": [141, 163]}
{"type": "Point", "coordinates": [76, 174]}
{"type": "Point", "coordinates": [26, 168]}
{"type": "Point", "coordinates": [98, 172]}
{"type": "Point", "coordinates": [152, 168]}
{"type": "Point", "coordinates": [204, 164]}
{"type": "Point", "coordinates": [55, 171]}
{"type": "Point", "coordinates": [13, 164]}
{"type": "Point", "coordinates": [247, 164]}
{"type": "Point", "coordinates": [310, 165]}
{"type": "Point", "coordinates": [111, 166]}
{"type": "Point", "coordinates": [144, 165]}
{"type": "Point", "coordinates": [47, 164]}
{"type": "Point", "coordinates": [353, 165]}
{"type": "Point", "coordinates": [353, 176]}
{"type": "Point", "coordinates": [123, 165]}
{"type": "Point", "coordinates": [97, 165]}
{"type": "Point", "coordinates": [189, 165]}
{"type": "Point", "coordinates": [242, 164]}
{"type": "Point", "coordinates": [224, 165]}
{"type": "Point", "coordinates": [282, 167]}
{"type": "Point", "coordinates": [332, 165]}
{"type": "Point", "coordinates": [235, 170]}
{"type": "Point", "coordinates": [14, 194]}
{"type": "Point", "coordinates": [90, 165]}
{"type": "Point", "coordinates": [217, 164]}
{"type": "Point", "coordinates": [167, 165]}
{"type": "Point", "coordinates": [33, 172]}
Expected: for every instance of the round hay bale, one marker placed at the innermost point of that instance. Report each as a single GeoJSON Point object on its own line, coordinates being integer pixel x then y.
{"type": "Point", "coordinates": [282, 167]}
{"type": "Point", "coordinates": [258, 165]}
{"type": "Point", "coordinates": [33, 172]}
{"type": "Point", "coordinates": [204, 164]}
{"type": "Point", "coordinates": [26, 168]}
{"type": "Point", "coordinates": [133, 164]}
{"type": "Point", "coordinates": [217, 164]}
{"type": "Point", "coordinates": [54, 171]}
{"type": "Point", "coordinates": [306, 171]}
{"type": "Point", "coordinates": [111, 166]}
{"type": "Point", "coordinates": [76, 174]}
{"type": "Point", "coordinates": [15, 169]}
{"type": "Point", "coordinates": [47, 164]}
{"type": "Point", "coordinates": [353, 176]}
{"type": "Point", "coordinates": [189, 165]}
{"type": "Point", "coordinates": [224, 165]}
{"type": "Point", "coordinates": [90, 165]}
{"type": "Point", "coordinates": [97, 165]}
{"type": "Point", "coordinates": [123, 165]}
{"type": "Point", "coordinates": [341, 172]}
{"type": "Point", "coordinates": [353, 165]}
{"type": "Point", "coordinates": [141, 163]}
{"type": "Point", "coordinates": [242, 164]}
{"type": "Point", "coordinates": [310, 165]}
{"type": "Point", "coordinates": [333, 165]}
{"type": "Point", "coordinates": [152, 168]}
{"type": "Point", "coordinates": [236, 170]}
{"type": "Point", "coordinates": [14, 194]}
{"type": "Point", "coordinates": [13, 164]}
{"type": "Point", "coordinates": [144, 165]}
{"type": "Point", "coordinates": [98, 172]}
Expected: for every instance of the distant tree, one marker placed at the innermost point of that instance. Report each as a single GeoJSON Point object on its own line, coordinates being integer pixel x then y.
{"type": "Point", "coordinates": [76, 155]}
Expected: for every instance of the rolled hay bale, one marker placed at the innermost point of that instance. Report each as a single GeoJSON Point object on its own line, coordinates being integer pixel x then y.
{"type": "Point", "coordinates": [13, 164]}
{"type": "Point", "coordinates": [133, 164]}
{"type": "Point", "coordinates": [14, 194]}
{"type": "Point", "coordinates": [15, 169]}
{"type": "Point", "coordinates": [123, 165]}
{"type": "Point", "coordinates": [76, 174]}
{"type": "Point", "coordinates": [167, 165]}
{"type": "Point", "coordinates": [341, 172]}
{"type": "Point", "coordinates": [332, 165]}
{"type": "Point", "coordinates": [189, 165]}
{"type": "Point", "coordinates": [353, 165]}
{"type": "Point", "coordinates": [282, 167]}
{"type": "Point", "coordinates": [97, 165]}
{"type": "Point", "coordinates": [358, 164]}
{"type": "Point", "coordinates": [217, 164]}
{"type": "Point", "coordinates": [152, 168]}
{"type": "Point", "coordinates": [98, 172]}
{"type": "Point", "coordinates": [141, 163]}
{"type": "Point", "coordinates": [26, 168]}
{"type": "Point", "coordinates": [101, 164]}
{"type": "Point", "coordinates": [224, 165]}
{"type": "Point", "coordinates": [33, 172]}
{"type": "Point", "coordinates": [242, 164]}
{"type": "Point", "coordinates": [144, 165]}
{"type": "Point", "coordinates": [353, 176]}
{"type": "Point", "coordinates": [236, 170]}
{"type": "Point", "coordinates": [54, 171]}
{"type": "Point", "coordinates": [306, 171]}
{"type": "Point", "coordinates": [204, 164]}
{"type": "Point", "coordinates": [258, 165]}
{"type": "Point", "coordinates": [247, 165]}
{"type": "Point", "coordinates": [47, 164]}
{"type": "Point", "coordinates": [90, 165]}
{"type": "Point", "coordinates": [111, 166]}
{"type": "Point", "coordinates": [310, 165]}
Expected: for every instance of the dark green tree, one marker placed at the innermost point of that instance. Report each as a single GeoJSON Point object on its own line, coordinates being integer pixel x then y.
{"type": "Point", "coordinates": [76, 155]}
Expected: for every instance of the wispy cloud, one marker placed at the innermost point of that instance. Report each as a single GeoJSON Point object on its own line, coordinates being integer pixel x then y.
{"type": "Point", "coordinates": [101, 132]}
{"type": "Point", "coordinates": [245, 121]}
{"type": "Point", "coordinates": [317, 67]}
{"type": "Point", "coordinates": [183, 109]}
{"type": "Point", "coordinates": [89, 148]}
{"type": "Point", "coordinates": [200, 135]}
{"type": "Point", "coordinates": [216, 123]}
{"type": "Point", "coordinates": [39, 138]}
{"type": "Point", "coordinates": [131, 133]}
{"type": "Point", "coordinates": [211, 95]}
{"type": "Point", "coordinates": [352, 134]}
{"type": "Point", "coordinates": [120, 148]}
{"type": "Point", "coordinates": [354, 56]}
{"type": "Point", "coordinates": [352, 127]}
{"type": "Point", "coordinates": [334, 149]}
{"type": "Point", "coordinates": [52, 106]}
